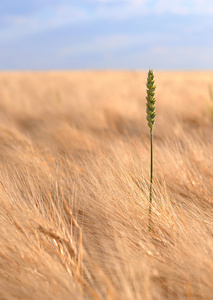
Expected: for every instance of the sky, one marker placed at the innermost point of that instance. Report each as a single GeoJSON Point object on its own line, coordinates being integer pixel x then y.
{"type": "Point", "coordinates": [106, 34]}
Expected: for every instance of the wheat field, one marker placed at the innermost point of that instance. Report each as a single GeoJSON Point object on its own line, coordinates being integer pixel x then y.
{"type": "Point", "coordinates": [74, 186]}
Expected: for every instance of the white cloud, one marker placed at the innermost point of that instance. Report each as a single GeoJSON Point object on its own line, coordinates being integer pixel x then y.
{"type": "Point", "coordinates": [116, 42]}
{"type": "Point", "coordinates": [19, 26]}
{"type": "Point", "coordinates": [63, 15]}
{"type": "Point", "coordinates": [183, 7]}
{"type": "Point", "coordinates": [162, 6]}
{"type": "Point", "coordinates": [102, 44]}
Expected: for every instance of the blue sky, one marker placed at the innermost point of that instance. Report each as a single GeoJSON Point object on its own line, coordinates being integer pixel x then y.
{"type": "Point", "coordinates": [106, 34]}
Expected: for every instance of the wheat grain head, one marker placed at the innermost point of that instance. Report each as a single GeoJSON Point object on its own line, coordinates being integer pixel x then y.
{"type": "Point", "coordinates": [150, 105]}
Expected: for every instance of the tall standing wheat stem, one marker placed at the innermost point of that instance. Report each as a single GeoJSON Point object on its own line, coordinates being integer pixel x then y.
{"type": "Point", "coordinates": [150, 110]}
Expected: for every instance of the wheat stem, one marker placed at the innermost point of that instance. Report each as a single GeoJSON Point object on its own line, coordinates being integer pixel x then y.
{"type": "Point", "coordinates": [150, 189]}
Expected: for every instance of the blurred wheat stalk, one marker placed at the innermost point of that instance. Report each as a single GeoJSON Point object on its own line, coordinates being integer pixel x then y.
{"type": "Point", "coordinates": [210, 103]}
{"type": "Point", "coordinates": [150, 110]}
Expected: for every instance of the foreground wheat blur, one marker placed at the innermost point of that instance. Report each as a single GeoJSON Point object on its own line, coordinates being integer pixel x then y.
{"type": "Point", "coordinates": [74, 187]}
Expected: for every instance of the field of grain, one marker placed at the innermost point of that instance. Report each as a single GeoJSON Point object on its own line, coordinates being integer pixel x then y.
{"type": "Point", "coordinates": [74, 186]}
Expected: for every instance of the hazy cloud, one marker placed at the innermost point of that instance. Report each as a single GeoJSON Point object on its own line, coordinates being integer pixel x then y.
{"type": "Point", "coordinates": [103, 33]}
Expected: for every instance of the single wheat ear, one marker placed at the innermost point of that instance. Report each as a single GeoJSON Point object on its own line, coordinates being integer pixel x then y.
{"type": "Point", "coordinates": [150, 104]}
{"type": "Point", "coordinates": [150, 110]}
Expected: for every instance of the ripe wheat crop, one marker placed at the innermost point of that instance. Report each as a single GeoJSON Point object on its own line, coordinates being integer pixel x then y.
{"type": "Point", "coordinates": [75, 184]}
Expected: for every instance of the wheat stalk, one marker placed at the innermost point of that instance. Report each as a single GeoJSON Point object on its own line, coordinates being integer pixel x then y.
{"type": "Point", "coordinates": [210, 92]}
{"type": "Point", "coordinates": [150, 110]}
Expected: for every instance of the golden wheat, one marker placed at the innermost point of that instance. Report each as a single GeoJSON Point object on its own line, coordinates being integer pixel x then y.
{"type": "Point", "coordinates": [74, 187]}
